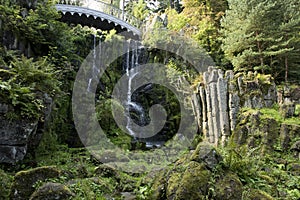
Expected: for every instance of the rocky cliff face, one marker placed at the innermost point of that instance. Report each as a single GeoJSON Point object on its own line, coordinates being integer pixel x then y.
{"type": "Point", "coordinates": [221, 95]}
{"type": "Point", "coordinates": [15, 136]}
{"type": "Point", "coordinates": [19, 137]}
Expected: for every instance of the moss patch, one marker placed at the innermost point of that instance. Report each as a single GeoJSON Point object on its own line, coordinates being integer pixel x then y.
{"type": "Point", "coordinates": [24, 181]}
{"type": "Point", "coordinates": [5, 183]}
{"type": "Point", "coordinates": [257, 195]}
{"type": "Point", "coordinates": [229, 187]}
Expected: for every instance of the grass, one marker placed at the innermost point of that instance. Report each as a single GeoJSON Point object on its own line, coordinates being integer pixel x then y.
{"type": "Point", "coordinates": [275, 114]}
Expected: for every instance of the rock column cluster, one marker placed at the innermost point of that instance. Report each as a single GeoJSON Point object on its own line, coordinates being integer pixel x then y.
{"type": "Point", "coordinates": [220, 97]}
{"type": "Point", "coordinates": [214, 98]}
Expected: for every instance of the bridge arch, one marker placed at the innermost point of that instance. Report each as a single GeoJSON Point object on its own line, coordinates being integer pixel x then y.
{"type": "Point", "coordinates": [95, 13]}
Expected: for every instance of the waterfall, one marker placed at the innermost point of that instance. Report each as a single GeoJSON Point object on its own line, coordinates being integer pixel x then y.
{"type": "Point", "coordinates": [130, 73]}
{"type": "Point", "coordinates": [95, 69]}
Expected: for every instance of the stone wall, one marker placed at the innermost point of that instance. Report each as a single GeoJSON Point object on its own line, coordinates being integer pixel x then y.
{"type": "Point", "coordinates": [221, 95]}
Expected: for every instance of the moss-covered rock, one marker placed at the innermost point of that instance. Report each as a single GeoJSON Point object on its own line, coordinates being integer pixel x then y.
{"type": "Point", "coordinates": [106, 171]}
{"type": "Point", "coordinates": [159, 186]}
{"type": "Point", "coordinates": [228, 187]}
{"type": "Point", "coordinates": [269, 135]}
{"type": "Point", "coordinates": [206, 153]}
{"type": "Point", "coordinates": [287, 133]}
{"type": "Point", "coordinates": [24, 181]}
{"type": "Point", "coordinates": [93, 188]}
{"type": "Point", "coordinates": [295, 148]}
{"type": "Point", "coordinates": [287, 110]}
{"type": "Point", "coordinates": [257, 130]}
{"type": "Point", "coordinates": [5, 182]}
{"type": "Point", "coordinates": [173, 184]}
{"type": "Point", "coordinates": [52, 191]}
{"type": "Point", "coordinates": [194, 182]}
{"type": "Point", "coordinates": [255, 194]}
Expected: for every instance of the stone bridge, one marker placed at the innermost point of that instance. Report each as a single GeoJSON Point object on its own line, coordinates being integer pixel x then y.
{"type": "Point", "coordinates": [100, 15]}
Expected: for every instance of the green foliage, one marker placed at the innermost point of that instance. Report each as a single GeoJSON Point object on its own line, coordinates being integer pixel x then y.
{"type": "Point", "coordinates": [107, 122]}
{"type": "Point", "coordinates": [200, 20]}
{"type": "Point", "coordinates": [274, 113]}
{"type": "Point", "coordinates": [24, 83]}
{"type": "Point", "coordinates": [176, 21]}
{"type": "Point", "coordinates": [5, 184]}
{"type": "Point", "coordinates": [138, 9]}
{"type": "Point", "coordinates": [91, 189]}
{"type": "Point", "coordinates": [264, 173]}
{"type": "Point", "coordinates": [297, 110]}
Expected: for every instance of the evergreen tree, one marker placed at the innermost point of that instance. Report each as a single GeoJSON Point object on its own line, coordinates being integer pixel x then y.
{"type": "Point", "coordinates": [261, 35]}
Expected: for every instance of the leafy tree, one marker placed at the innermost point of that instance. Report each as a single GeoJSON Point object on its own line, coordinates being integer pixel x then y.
{"type": "Point", "coordinates": [138, 9]}
{"type": "Point", "coordinates": [201, 21]}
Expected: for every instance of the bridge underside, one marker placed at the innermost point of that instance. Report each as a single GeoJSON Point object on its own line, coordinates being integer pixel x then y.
{"type": "Point", "coordinates": [97, 23]}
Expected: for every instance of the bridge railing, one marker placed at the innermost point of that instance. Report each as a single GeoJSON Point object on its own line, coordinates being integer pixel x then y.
{"type": "Point", "coordinates": [105, 8]}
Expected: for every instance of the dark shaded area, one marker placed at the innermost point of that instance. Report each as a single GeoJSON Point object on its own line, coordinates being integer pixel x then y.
{"type": "Point", "coordinates": [96, 23]}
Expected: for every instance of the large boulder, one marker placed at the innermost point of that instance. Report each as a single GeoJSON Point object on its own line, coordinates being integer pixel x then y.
{"type": "Point", "coordinates": [52, 191]}
{"type": "Point", "coordinates": [24, 181]}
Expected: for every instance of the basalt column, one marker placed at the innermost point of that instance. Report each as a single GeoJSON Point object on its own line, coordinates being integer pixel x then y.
{"type": "Point", "coordinates": [215, 106]}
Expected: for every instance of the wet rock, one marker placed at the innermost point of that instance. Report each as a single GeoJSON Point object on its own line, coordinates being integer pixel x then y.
{"type": "Point", "coordinates": [229, 187]}
{"type": "Point", "coordinates": [23, 184]}
{"type": "Point", "coordinates": [12, 154]}
{"type": "Point", "coordinates": [52, 191]}
{"type": "Point", "coordinates": [207, 154]}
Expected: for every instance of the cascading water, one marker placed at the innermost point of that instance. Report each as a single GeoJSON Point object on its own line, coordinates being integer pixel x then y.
{"type": "Point", "coordinates": [95, 69]}
{"type": "Point", "coordinates": [135, 114]}
{"type": "Point", "coordinates": [131, 73]}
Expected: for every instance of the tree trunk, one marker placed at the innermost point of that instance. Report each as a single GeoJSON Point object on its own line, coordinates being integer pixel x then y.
{"type": "Point", "coordinates": [171, 4]}
{"type": "Point", "coordinates": [286, 69]}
